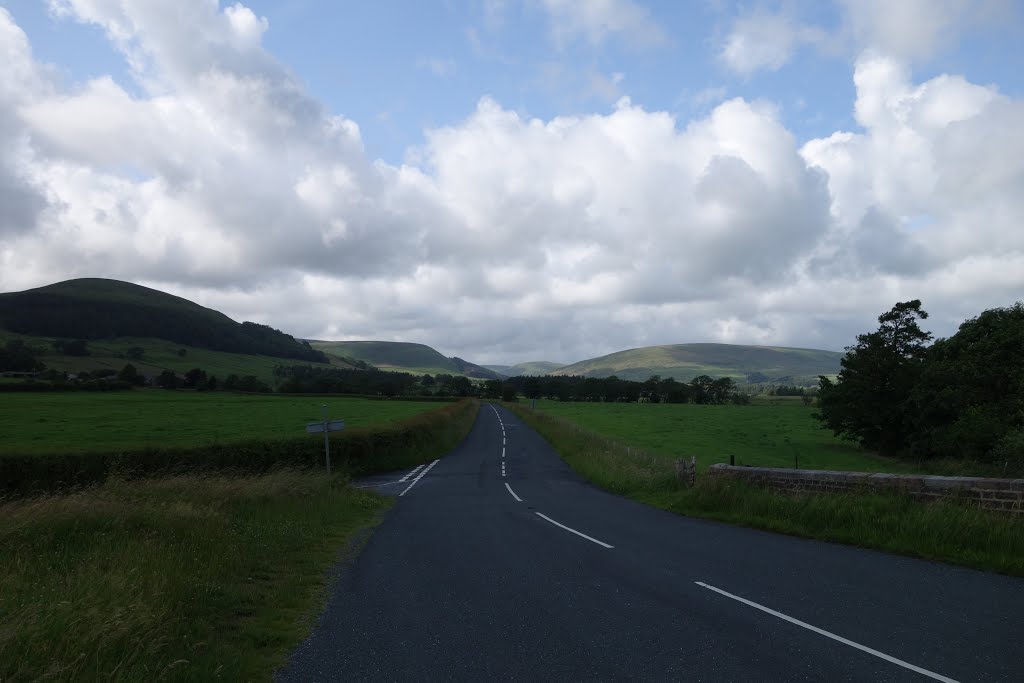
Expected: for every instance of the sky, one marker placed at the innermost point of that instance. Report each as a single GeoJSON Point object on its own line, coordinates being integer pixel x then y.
{"type": "Point", "coordinates": [513, 180]}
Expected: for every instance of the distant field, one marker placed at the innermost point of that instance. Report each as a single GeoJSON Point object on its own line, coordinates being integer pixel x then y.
{"type": "Point", "coordinates": [45, 422]}
{"type": "Point", "coordinates": [162, 355]}
{"type": "Point", "coordinates": [767, 435]}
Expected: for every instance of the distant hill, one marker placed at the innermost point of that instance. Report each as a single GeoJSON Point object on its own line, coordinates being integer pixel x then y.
{"type": "Point", "coordinates": [405, 357]}
{"type": "Point", "coordinates": [536, 368]}
{"type": "Point", "coordinates": [686, 361]}
{"type": "Point", "coordinates": [94, 308]}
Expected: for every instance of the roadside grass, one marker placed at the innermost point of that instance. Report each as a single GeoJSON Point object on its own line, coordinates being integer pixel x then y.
{"type": "Point", "coordinates": [76, 422]}
{"type": "Point", "coordinates": [184, 578]}
{"type": "Point", "coordinates": [776, 434]}
{"type": "Point", "coordinates": [942, 531]}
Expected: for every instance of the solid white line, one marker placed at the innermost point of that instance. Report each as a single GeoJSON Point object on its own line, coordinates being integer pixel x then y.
{"type": "Point", "coordinates": [513, 492]}
{"type": "Point", "coordinates": [823, 632]}
{"type": "Point", "coordinates": [382, 483]}
{"type": "Point", "coordinates": [574, 531]}
{"type": "Point", "coordinates": [413, 473]}
{"type": "Point", "coordinates": [418, 477]}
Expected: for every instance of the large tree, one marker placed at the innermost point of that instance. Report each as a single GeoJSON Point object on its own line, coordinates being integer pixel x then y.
{"type": "Point", "coordinates": [970, 397]}
{"type": "Point", "coordinates": [868, 402]}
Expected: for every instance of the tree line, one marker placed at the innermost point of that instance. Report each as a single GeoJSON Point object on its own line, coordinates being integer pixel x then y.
{"type": "Point", "coordinates": [656, 389]}
{"type": "Point", "coordinates": [960, 398]}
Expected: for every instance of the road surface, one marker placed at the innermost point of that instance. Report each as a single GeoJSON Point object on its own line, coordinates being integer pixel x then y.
{"type": "Point", "coordinates": [498, 562]}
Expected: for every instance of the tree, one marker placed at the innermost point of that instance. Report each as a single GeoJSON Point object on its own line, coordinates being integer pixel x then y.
{"type": "Point", "coordinates": [969, 398]}
{"type": "Point", "coordinates": [129, 374]}
{"type": "Point", "coordinates": [16, 355]}
{"type": "Point", "coordinates": [72, 347]}
{"type": "Point", "coordinates": [195, 378]}
{"type": "Point", "coordinates": [868, 402]}
{"type": "Point", "coordinates": [492, 388]}
{"type": "Point", "coordinates": [167, 380]}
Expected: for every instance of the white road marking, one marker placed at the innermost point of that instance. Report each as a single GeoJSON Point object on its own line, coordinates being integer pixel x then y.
{"type": "Point", "coordinates": [502, 451]}
{"type": "Point", "coordinates": [823, 632]}
{"type": "Point", "coordinates": [503, 441]}
{"type": "Point", "coordinates": [418, 477]}
{"type": "Point", "coordinates": [513, 493]}
{"type": "Point", "coordinates": [594, 540]}
{"type": "Point", "coordinates": [413, 473]}
{"type": "Point", "coordinates": [380, 483]}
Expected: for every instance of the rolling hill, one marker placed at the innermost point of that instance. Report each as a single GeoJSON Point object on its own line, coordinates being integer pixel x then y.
{"type": "Point", "coordinates": [94, 308]}
{"type": "Point", "coordinates": [404, 357]}
{"type": "Point", "coordinates": [536, 368]}
{"type": "Point", "coordinates": [686, 361]}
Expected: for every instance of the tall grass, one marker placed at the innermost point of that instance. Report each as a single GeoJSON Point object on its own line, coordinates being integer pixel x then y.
{"type": "Point", "coordinates": [184, 578]}
{"type": "Point", "coordinates": [944, 531]}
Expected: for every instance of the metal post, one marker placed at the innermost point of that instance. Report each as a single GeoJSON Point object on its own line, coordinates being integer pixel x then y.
{"type": "Point", "coordinates": [327, 442]}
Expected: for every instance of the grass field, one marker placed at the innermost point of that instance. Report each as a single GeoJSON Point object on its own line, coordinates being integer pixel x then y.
{"type": "Point", "coordinates": [776, 434]}
{"type": "Point", "coordinates": [64, 422]}
{"type": "Point", "coordinates": [186, 578]}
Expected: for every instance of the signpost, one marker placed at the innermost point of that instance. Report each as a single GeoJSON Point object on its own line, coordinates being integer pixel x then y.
{"type": "Point", "coordinates": [326, 426]}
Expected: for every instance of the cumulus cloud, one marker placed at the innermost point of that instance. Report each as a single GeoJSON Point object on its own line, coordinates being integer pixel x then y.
{"type": "Point", "coordinates": [503, 237]}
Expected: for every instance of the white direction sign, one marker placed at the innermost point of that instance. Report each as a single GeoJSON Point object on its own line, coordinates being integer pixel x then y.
{"type": "Point", "coordinates": [332, 426]}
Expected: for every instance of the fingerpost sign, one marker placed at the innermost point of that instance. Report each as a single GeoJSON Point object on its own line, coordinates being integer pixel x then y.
{"type": "Point", "coordinates": [326, 426]}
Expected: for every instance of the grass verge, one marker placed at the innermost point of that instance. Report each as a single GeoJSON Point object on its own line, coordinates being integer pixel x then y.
{"type": "Point", "coordinates": [943, 531]}
{"type": "Point", "coordinates": [183, 578]}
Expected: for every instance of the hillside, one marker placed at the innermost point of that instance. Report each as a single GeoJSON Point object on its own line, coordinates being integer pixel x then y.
{"type": "Point", "coordinates": [404, 357]}
{"type": "Point", "coordinates": [686, 361]}
{"type": "Point", "coordinates": [535, 368]}
{"type": "Point", "coordinates": [94, 308]}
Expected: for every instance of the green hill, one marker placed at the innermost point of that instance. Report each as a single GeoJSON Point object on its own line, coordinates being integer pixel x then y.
{"type": "Point", "coordinates": [404, 357]}
{"type": "Point", "coordinates": [686, 361]}
{"type": "Point", "coordinates": [535, 368]}
{"type": "Point", "coordinates": [94, 308]}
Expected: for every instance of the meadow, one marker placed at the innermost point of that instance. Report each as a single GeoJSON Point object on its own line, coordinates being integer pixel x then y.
{"type": "Point", "coordinates": [76, 422]}
{"type": "Point", "coordinates": [181, 578]}
{"type": "Point", "coordinates": [766, 434]}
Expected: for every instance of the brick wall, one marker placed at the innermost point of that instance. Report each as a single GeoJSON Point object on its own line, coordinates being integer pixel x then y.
{"type": "Point", "coordinates": [1005, 495]}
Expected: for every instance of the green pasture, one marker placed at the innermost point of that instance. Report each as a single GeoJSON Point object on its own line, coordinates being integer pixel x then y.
{"type": "Point", "coordinates": [66, 422]}
{"type": "Point", "coordinates": [779, 433]}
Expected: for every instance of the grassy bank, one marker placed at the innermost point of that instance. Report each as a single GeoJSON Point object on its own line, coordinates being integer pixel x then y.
{"type": "Point", "coordinates": [946, 532]}
{"type": "Point", "coordinates": [185, 578]}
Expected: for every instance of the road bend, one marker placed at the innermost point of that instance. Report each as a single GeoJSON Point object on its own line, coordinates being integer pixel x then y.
{"type": "Point", "coordinates": [498, 562]}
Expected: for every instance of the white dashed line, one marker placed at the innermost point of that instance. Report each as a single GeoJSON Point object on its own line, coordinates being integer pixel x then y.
{"type": "Point", "coordinates": [513, 493]}
{"type": "Point", "coordinates": [418, 477]}
{"type": "Point", "coordinates": [823, 632]}
{"type": "Point", "coordinates": [413, 473]}
{"type": "Point", "coordinates": [589, 538]}
{"type": "Point", "coordinates": [376, 484]}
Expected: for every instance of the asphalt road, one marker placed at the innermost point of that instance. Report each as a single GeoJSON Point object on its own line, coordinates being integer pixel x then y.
{"type": "Point", "coordinates": [533, 574]}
